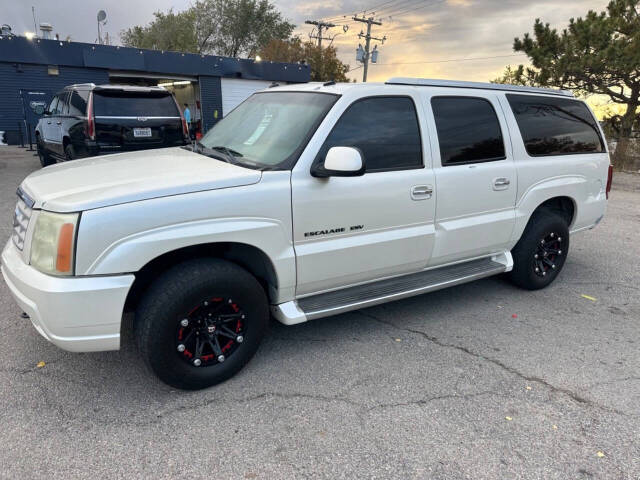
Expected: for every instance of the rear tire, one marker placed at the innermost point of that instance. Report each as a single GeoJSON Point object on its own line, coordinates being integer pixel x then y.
{"type": "Point", "coordinates": [539, 255]}
{"type": "Point", "coordinates": [216, 300]}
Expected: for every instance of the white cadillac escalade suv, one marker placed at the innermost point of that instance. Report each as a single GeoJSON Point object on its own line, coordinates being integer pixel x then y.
{"type": "Point", "coordinates": [304, 202]}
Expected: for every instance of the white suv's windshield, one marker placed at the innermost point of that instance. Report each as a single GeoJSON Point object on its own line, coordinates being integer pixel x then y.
{"type": "Point", "coordinates": [268, 128]}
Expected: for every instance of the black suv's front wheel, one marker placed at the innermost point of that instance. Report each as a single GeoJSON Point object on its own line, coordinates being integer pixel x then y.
{"type": "Point", "coordinates": [45, 158]}
{"type": "Point", "coordinates": [201, 322]}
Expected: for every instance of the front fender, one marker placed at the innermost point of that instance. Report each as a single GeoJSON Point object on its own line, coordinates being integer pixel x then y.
{"type": "Point", "coordinates": [124, 238]}
{"type": "Point", "coordinates": [131, 253]}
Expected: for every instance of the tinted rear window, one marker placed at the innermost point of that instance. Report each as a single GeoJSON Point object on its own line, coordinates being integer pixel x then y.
{"type": "Point", "coordinates": [468, 130]}
{"type": "Point", "coordinates": [555, 126]}
{"type": "Point", "coordinates": [133, 105]}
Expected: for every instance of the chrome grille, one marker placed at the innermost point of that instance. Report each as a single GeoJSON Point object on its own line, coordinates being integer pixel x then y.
{"type": "Point", "coordinates": [21, 218]}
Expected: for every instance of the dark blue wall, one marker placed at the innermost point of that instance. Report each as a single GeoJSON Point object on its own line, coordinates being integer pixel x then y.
{"type": "Point", "coordinates": [75, 54]}
{"type": "Point", "coordinates": [14, 78]}
{"type": "Point", "coordinates": [211, 98]}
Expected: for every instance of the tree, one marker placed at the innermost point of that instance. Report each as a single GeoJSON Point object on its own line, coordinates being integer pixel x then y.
{"type": "Point", "coordinates": [239, 27]}
{"type": "Point", "coordinates": [597, 54]}
{"type": "Point", "coordinates": [233, 28]}
{"type": "Point", "coordinates": [325, 65]}
{"type": "Point", "coordinates": [168, 31]}
{"type": "Point", "coordinates": [514, 76]}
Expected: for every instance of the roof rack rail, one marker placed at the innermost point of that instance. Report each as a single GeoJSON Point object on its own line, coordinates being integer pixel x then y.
{"type": "Point", "coordinates": [427, 82]}
{"type": "Point", "coordinates": [88, 84]}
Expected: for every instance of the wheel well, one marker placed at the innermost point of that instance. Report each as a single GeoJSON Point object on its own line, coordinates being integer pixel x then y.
{"type": "Point", "coordinates": [65, 141]}
{"type": "Point", "coordinates": [252, 259]}
{"type": "Point", "coordinates": [563, 206]}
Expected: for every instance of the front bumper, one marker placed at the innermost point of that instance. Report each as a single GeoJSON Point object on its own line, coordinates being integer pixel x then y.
{"type": "Point", "coordinates": [79, 314]}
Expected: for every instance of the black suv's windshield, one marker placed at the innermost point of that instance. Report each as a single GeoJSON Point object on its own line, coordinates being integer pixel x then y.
{"type": "Point", "coordinates": [268, 128]}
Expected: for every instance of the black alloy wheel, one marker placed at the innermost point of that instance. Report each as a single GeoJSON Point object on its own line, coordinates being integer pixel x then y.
{"type": "Point", "coordinates": [550, 248]}
{"type": "Point", "coordinates": [210, 332]}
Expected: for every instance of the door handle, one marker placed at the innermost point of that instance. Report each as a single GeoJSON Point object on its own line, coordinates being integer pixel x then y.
{"type": "Point", "coordinates": [421, 192]}
{"type": "Point", "coordinates": [49, 123]}
{"type": "Point", "coordinates": [58, 123]}
{"type": "Point", "coordinates": [501, 183]}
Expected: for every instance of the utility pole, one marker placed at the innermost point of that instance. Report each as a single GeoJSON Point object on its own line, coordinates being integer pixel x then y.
{"type": "Point", "coordinates": [365, 59]}
{"type": "Point", "coordinates": [321, 25]}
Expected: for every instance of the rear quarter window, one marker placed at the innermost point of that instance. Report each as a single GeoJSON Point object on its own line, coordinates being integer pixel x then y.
{"type": "Point", "coordinates": [555, 126]}
{"type": "Point", "coordinates": [125, 104]}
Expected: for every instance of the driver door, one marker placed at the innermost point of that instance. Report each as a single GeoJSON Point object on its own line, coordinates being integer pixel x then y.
{"type": "Point", "coordinates": [350, 230]}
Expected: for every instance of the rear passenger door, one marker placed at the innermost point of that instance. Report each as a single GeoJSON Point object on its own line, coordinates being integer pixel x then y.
{"type": "Point", "coordinates": [475, 176]}
{"type": "Point", "coordinates": [351, 230]}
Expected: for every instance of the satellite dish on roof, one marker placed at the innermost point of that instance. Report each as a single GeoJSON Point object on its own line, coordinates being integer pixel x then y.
{"type": "Point", "coordinates": [102, 16]}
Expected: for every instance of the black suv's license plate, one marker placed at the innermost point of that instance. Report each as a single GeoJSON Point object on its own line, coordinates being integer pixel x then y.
{"type": "Point", "coordinates": [141, 132]}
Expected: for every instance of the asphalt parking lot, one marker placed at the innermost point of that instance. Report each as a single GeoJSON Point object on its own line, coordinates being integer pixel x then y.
{"type": "Point", "coordinates": [479, 381]}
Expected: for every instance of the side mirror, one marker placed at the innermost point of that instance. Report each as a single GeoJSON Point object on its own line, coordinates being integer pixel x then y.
{"type": "Point", "coordinates": [39, 109]}
{"type": "Point", "coordinates": [340, 162]}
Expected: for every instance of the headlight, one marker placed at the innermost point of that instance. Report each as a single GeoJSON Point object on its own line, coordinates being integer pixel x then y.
{"type": "Point", "coordinates": [53, 243]}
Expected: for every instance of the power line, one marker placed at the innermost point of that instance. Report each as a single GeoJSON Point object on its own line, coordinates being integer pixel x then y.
{"type": "Point", "coordinates": [385, 9]}
{"type": "Point", "coordinates": [402, 5]}
{"type": "Point", "coordinates": [400, 13]}
{"type": "Point", "coordinates": [454, 60]}
{"type": "Point", "coordinates": [344, 16]}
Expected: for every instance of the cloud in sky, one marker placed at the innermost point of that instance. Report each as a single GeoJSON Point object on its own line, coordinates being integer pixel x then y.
{"type": "Point", "coordinates": [418, 31]}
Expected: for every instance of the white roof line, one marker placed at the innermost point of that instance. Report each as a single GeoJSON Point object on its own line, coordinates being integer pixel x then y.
{"type": "Point", "coordinates": [427, 82]}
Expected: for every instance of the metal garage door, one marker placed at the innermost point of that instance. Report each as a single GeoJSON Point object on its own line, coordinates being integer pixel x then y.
{"type": "Point", "coordinates": [236, 90]}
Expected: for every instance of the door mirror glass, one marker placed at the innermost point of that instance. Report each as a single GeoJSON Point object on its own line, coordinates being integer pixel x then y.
{"type": "Point", "coordinates": [340, 162]}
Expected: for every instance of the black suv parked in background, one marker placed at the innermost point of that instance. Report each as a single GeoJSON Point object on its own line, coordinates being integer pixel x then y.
{"type": "Point", "coordinates": [86, 120]}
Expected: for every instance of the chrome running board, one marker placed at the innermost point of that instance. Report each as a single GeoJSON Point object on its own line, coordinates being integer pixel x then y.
{"type": "Point", "coordinates": [396, 288]}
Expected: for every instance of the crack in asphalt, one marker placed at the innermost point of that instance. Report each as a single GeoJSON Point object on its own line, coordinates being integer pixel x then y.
{"type": "Point", "coordinates": [360, 407]}
{"type": "Point", "coordinates": [615, 380]}
{"type": "Point", "coordinates": [424, 401]}
{"type": "Point", "coordinates": [529, 378]}
{"type": "Point", "coordinates": [34, 368]}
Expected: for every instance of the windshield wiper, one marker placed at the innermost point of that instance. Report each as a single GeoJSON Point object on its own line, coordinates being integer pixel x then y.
{"type": "Point", "coordinates": [216, 153]}
{"type": "Point", "coordinates": [228, 151]}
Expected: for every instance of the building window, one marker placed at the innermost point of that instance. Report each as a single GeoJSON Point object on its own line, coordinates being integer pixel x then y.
{"type": "Point", "coordinates": [53, 70]}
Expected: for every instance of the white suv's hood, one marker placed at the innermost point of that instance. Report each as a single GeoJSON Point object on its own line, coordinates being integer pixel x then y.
{"type": "Point", "coordinates": [127, 177]}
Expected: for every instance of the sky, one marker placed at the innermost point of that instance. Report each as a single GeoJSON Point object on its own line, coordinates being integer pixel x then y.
{"type": "Point", "coordinates": [425, 38]}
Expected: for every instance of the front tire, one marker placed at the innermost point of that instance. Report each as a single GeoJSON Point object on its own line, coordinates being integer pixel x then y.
{"type": "Point", "coordinates": [539, 255]}
{"type": "Point", "coordinates": [201, 322]}
{"type": "Point", "coordinates": [45, 158]}
{"type": "Point", "coordinates": [70, 152]}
